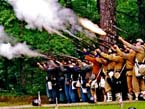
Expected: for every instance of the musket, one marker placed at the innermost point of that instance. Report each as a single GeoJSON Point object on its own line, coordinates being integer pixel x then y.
{"type": "Point", "coordinates": [86, 44]}
{"type": "Point", "coordinates": [120, 29]}
{"type": "Point", "coordinates": [110, 43]}
{"type": "Point", "coordinates": [71, 34]}
{"type": "Point", "coordinates": [68, 56]}
{"type": "Point", "coordinates": [113, 36]}
{"type": "Point", "coordinates": [63, 36]}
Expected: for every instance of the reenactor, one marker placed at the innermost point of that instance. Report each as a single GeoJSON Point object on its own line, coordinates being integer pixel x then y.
{"type": "Point", "coordinates": [86, 70]}
{"type": "Point", "coordinates": [95, 71]}
{"type": "Point", "coordinates": [67, 83]}
{"type": "Point", "coordinates": [51, 79]}
{"type": "Point", "coordinates": [108, 71]}
{"type": "Point", "coordinates": [139, 83]}
{"type": "Point", "coordinates": [101, 75]}
{"type": "Point", "coordinates": [129, 55]}
{"type": "Point", "coordinates": [114, 72]}
{"type": "Point", "coordinates": [99, 83]}
{"type": "Point", "coordinates": [75, 71]}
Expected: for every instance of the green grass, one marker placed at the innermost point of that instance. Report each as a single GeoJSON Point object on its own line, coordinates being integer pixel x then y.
{"type": "Point", "coordinates": [125, 105]}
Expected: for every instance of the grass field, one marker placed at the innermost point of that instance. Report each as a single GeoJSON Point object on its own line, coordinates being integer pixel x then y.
{"type": "Point", "coordinates": [99, 105]}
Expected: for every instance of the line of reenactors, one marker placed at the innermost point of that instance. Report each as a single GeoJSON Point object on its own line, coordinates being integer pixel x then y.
{"type": "Point", "coordinates": [116, 75]}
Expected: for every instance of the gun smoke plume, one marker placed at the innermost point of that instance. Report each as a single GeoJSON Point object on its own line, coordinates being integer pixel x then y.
{"type": "Point", "coordinates": [9, 51]}
{"type": "Point", "coordinates": [48, 15]}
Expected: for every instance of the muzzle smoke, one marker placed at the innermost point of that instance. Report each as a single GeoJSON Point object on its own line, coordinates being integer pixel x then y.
{"type": "Point", "coordinates": [44, 14]}
{"type": "Point", "coordinates": [48, 15]}
{"type": "Point", "coordinates": [18, 50]}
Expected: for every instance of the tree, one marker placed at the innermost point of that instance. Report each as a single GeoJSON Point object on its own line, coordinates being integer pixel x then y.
{"type": "Point", "coordinates": [127, 19]}
{"type": "Point", "coordinates": [107, 19]}
{"type": "Point", "coordinates": [141, 17]}
{"type": "Point", "coordinates": [23, 67]}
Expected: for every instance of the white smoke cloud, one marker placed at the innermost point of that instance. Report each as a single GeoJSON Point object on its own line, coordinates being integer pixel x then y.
{"type": "Point", "coordinates": [44, 14]}
{"type": "Point", "coordinates": [13, 51]}
{"type": "Point", "coordinates": [3, 35]}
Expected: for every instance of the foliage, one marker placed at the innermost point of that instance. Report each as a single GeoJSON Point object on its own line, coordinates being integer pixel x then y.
{"type": "Point", "coordinates": [87, 9]}
{"type": "Point", "coordinates": [127, 18]}
{"type": "Point", "coordinates": [41, 41]}
{"type": "Point", "coordinates": [13, 72]}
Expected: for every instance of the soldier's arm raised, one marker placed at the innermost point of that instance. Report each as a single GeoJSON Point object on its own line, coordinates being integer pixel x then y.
{"type": "Point", "coordinates": [119, 52]}
{"type": "Point", "coordinates": [129, 45]}
{"type": "Point", "coordinates": [40, 66]}
{"type": "Point", "coordinates": [104, 55]}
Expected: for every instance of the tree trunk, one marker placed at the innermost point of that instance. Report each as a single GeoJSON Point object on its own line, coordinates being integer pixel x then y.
{"type": "Point", "coordinates": [6, 65]}
{"type": "Point", "coordinates": [141, 17]}
{"type": "Point", "coordinates": [22, 75]}
{"type": "Point", "coordinates": [107, 21]}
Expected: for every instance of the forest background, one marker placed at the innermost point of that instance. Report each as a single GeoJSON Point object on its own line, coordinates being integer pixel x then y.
{"type": "Point", "coordinates": [21, 76]}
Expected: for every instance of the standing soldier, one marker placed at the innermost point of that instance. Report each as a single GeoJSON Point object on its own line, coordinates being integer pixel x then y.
{"type": "Point", "coordinates": [95, 71]}
{"type": "Point", "coordinates": [44, 66]}
{"type": "Point", "coordinates": [85, 74]}
{"type": "Point", "coordinates": [67, 83]}
{"type": "Point", "coordinates": [102, 74]}
{"type": "Point", "coordinates": [139, 84]}
{"type": "Point", "coordinates": [108, 70]}
{"type": "Point", "coordinates": [119, 63]}
{"type": "Point", "coordinates": [51, 67]}
{"type": "Point", "coordinates": [129, 56]}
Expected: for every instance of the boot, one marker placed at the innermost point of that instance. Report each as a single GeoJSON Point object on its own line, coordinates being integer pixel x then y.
{"type": "Point", "coordinates": [118, 97]}
{"type": "Point", "coordinates": [109, 96]}
{"type": "Point", "coordinates": [136, 96]}
{"type": "Point", "coordinates": [130, 97]}
{"type": "Point", "coordinates": [105, 98]}
{"type": "Point", "coordinates": [143, 93]}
